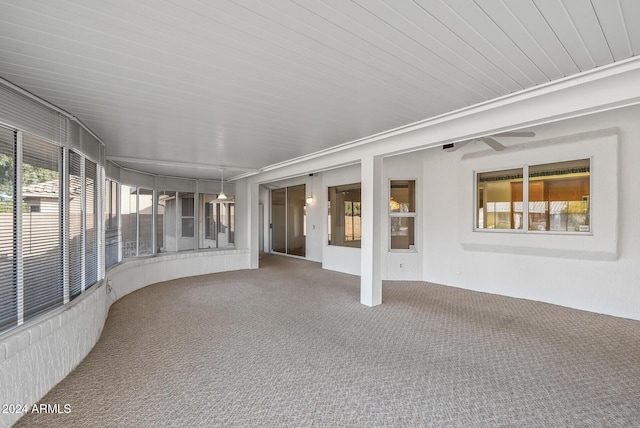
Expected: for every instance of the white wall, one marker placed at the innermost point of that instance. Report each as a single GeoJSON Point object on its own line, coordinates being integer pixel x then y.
{"type": "Point", "coordinates": [597, 272]}
{"type": "Point", "coordinates": [404, 264]}
{"type": "Point", "coordinates": [337, 258]}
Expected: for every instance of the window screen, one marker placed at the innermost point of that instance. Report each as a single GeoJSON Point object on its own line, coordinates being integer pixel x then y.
{"type": "Point", "coordinates": [75, 224]}
{"type": "Point", "coordinates": [90, 227]}
{"type": "Point", "coordinates": [41, 227]}
{"type": "Point", "coordinates": [8, 285]}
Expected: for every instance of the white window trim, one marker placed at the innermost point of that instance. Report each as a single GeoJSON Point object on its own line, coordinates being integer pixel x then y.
{"type": "Point", "coordinates": [525, 202]}
{"type": "Point", "coordinates": [413, 215]}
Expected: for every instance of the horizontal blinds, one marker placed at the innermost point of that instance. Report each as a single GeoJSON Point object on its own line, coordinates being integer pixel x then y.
{"type": "Point", "coordinates": [8, 284]}
{"type": "Point", "coordinates": [41, 226]}
{"type": "Point", "coordinates": [35, 117]}
{"type": "Point", "coordinates": [183, 185]}
{"type": "Point", "coordinates": [27, 114]}
{"type": "Point", "coordinates": [74, 198]}
{"type": "Point", "coordinates": [112, 171]}
{"type": "Point", "coordinates": [137, 179]}
{"type": "Point", "coordinates": [90, 146]}
{"type": "Point", "coordinates": [91, 231]}
{"type": "Point", "coordinates": [206, 186]}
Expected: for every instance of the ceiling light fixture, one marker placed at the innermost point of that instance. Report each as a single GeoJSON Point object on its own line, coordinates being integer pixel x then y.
{"type": "Point", "coordinates": [222, 196]}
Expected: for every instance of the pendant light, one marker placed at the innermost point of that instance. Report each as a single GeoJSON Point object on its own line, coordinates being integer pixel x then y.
{"type": "Point", "coordinates": [222, 196]}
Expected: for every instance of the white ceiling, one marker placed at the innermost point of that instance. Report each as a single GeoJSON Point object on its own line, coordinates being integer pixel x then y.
{"type": "Point", "coordinates": [177, 87]}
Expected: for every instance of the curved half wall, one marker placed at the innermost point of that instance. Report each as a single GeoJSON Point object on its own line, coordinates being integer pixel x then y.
{"type": "Point", "coordinates": [37, 355]}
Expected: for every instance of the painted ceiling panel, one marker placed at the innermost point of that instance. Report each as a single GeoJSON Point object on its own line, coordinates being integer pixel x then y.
{"type": "Point", "coordinates": [245, 85]}
{"type": "Point", "coordinates": [513, 28]}
{"type": "Point", "coordinates": [587, 24]}
{"type": "Point", "coordinates": [631, 12]}
{"type": "Point", "coordinates": [558, 18]}
{"type": "Point", "coordinates": [490, 31]}
{"type": "Point", "coordinates": [609, 15]}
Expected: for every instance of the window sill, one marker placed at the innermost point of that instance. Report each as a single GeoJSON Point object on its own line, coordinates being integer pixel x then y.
{"type": "Point", "coordinates": [533, 232]}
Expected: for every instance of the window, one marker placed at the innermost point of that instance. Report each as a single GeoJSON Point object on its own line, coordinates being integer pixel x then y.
{"type": "Point", "coordinates": [186, 221]}
{"type": "Point", "coordinates": [500, 200]}
{"type": "Point", "coordinates": [129, 219]}
{"type": "Point", "coordinates": [187, 202]}
{"type": "Point", "coordinates": [8, 280]}
{"type": "Point", "coordinates": [111, 222]}
{"type": "Point", "coordinates": [558, 198]}
{"type": "Point", "coordinates": [43, 211]}
{"type": "Point", "coordinates": [90, 223]}
{"type": "Point", "coordinates": [208, 218]}
{"type": "Point", "coordinates": [41, 231]}
{"type": "Point", "coordinates": [175, 221]}
{"type": "Point", "coordinates": [136, 215]}
{"type": "Point", "coordinates": [231, 207]}
{"type": "Point", "coordinates": [75, 244]}
{"type": "Point", "coordinates": [344, 217]}
{"type": "Point", "coordinates": [402, 214]}
{"type": "Point", "coordinates": [145, 222]}
{"type": "Point", "coordinates": [166, 238]}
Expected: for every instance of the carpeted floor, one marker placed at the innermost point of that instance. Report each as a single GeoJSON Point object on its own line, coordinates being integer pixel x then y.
{"type": "Point", "coordinates": [290, 345]}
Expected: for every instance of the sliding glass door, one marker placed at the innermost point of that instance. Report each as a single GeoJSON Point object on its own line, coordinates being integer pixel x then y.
{"type": "Point", "coordinates": [288, 216]}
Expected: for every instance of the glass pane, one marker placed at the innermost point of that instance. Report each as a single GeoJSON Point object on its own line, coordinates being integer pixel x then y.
{"type": "Point", "coordinates": [279, 220]}
{"type": "Point", "coordinates": [222, 217]}
{"type": "Point", "coordinates": [128, 217]}
{"type": "Point", "coordinates": [186, 239]}
{"type": "Point", "coordinates": [402, 196]}
{"type": "Point", "coordinates": [296, 205]}
{"type": "Point", "coordinates": [402, 233]}
{"type": "Point", "coordinates": [499, 199]}
{"type": "Point", "coordinates": [8, 284]}
{"type": "Point", "coordinates": [111, 223]}
{"type": "Point", "coordinates": [41, 226]}
{"type": "Point", "coordinates": [166, 238]}
{"type": "Point", "coordinates": [145, 222]}
{"type": "Point", "coordinates": [91, 231]}
{"type": "Point", "coordinates": [208, 226]}
{"type": "Point", "coordinates": [232, 223]}
{"type": "Point", "coordinates": [344, 215]}
{"type": "Point", "coordinates": [75, 224]}
{"type": "Point", "coordinates": [559, 196]}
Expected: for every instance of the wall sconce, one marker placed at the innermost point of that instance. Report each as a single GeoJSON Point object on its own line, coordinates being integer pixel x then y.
{"type": "Point", "coordinates": [309, 200]}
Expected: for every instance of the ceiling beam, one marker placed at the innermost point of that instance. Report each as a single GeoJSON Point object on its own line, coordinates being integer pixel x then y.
{"type": "Point", "coordinates": [142, 161]}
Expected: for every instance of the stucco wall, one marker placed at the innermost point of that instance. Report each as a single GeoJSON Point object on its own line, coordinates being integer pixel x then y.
{"type": "Point", "coordinates": [597, 272]}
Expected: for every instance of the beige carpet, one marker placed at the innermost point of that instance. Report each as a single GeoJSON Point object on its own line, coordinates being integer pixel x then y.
{"type": "Point", "coordinates": [290, 345]}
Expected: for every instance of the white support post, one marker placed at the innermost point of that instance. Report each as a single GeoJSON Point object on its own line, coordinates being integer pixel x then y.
{"type": "Point", "coordinates": [253, 196]}
{"type": "Point", "coordinates": [17, 197]}
{"type": "Point", "coordinates": [371, 253]}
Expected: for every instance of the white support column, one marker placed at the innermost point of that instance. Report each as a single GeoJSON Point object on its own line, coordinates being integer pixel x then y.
{"type": "Point", "coordinates": [253, 194]}
{"type": "Point", "coordinates": [371, 251]}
